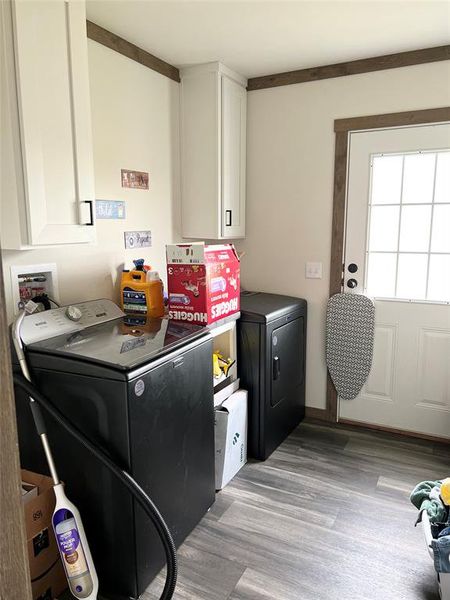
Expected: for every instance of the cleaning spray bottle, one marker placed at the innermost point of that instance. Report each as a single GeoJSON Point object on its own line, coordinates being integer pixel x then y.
{"type": "Point", "coordinates": [73, 548]}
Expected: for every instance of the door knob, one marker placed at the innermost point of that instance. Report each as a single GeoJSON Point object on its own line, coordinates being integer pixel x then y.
{"type": "Point", "coordinates": [352, 283]}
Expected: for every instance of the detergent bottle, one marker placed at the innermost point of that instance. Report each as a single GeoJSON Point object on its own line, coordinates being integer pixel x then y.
{"type": "Point", "coordinates": [141, 291]}
{"type": "Point", "coordinates": [134, 290]}
{"type": "Point", "coordinates": [156, 294]}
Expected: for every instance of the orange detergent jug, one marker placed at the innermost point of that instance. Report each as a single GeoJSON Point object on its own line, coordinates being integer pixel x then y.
{"type": "Point", "coordinates": [141, 292]}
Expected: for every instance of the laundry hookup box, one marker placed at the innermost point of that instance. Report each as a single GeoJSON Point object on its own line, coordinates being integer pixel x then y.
{"type": "Point", "coordinates": [231, 422]}
{"type": "Point", "coordinates": [203, 282]}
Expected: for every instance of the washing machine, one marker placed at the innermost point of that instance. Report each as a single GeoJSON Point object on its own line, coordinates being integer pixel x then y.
{"type": "Point", "coordinates": [272, 362]}
{"type": "Point", "coordinates": [143, 389]}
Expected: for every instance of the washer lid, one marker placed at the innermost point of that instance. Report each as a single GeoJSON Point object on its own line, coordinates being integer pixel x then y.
{"type": "Point", "coordinates": [124, 343]}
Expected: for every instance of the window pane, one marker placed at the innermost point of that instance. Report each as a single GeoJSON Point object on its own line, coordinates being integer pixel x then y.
{"type": "Point", "coordinates": [386, 179]}
{"type": "Point", "coordinates": [418, 178]}
{"type": "Point", "coordinates": [383, 233]}
{"type": "Point", "coordinates": [381, 275]}
{"type": "Point", "coordinates": [415, 228]}
{"type": "Point", "coordinates": [440, 240]}
{"type": "Point", "coordinates": [411, 276]}
{"type": "Point", "coordinates": [439, 278]}
{"type": "Point", "coordinates": [442, 189]}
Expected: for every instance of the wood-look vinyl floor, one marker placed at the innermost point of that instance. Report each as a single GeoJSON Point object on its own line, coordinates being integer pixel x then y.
{"type": "Point", "coordinates": [326, 517]}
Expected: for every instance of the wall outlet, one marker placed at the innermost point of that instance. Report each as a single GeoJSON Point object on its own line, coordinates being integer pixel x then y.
{"type": "Point", "coordinates": [313, 270]}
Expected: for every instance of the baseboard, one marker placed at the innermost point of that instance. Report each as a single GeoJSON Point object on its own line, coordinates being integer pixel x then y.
{"type": "Point", "coordinates": [393, 430]}
{"type": "Point", "coordinates": [318, 414]}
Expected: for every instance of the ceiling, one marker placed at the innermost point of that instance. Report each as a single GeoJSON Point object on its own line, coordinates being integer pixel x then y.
{"type": "Point", "coordinates": [261, 38]}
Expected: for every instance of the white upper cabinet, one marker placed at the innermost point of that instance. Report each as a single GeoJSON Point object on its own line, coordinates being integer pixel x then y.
{"type": "Point", "coordinates": [213, 152]}
{"type": "Point", "coordinates": [49, 196]}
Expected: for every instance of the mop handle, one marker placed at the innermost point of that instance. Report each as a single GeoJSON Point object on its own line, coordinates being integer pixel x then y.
{"type": "Point", "coordinates": [35, 408]}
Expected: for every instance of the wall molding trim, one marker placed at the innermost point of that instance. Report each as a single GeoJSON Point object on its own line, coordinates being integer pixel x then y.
{"type": "Point", "coordinates": [353, 67]}
{"type": "Point", "coordinates": [114, 42]}
{"type": "Point", "coordinates": [342, 128]}
{"type": "Point", "coordinates": [348, 423]}
{"type": "Point", "coordinates": [316, 414]}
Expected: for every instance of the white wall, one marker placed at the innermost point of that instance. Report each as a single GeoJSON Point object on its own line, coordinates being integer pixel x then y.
{"type": "Point", "coordinates": [135, 126]}
{"type": "Point", "coordinates": [290, 163]}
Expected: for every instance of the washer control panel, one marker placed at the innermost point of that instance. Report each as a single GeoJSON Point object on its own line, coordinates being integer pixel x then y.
{"type": "Point", "coordinates": [67, 319]}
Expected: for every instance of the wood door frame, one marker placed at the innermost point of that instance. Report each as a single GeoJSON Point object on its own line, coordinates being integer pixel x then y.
{"type": "Point", "coordinates": [342, 128]}
{"type": "Point", "coordinates": [15, 583]}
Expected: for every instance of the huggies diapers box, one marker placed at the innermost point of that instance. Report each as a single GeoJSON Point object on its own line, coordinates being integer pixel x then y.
{"type": "Point", "coordinates": [230, 437]}
{"type": "Point", "coordinates": [203, 282]}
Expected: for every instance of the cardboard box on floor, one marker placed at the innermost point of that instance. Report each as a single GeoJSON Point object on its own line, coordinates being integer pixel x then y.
{"type": "Point", "coordinates": [47, 574]}
{"type": "Point", "coordinates": [231, 437]}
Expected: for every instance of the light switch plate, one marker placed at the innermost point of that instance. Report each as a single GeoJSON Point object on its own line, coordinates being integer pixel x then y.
{"type": "Point", "coordinates": [313, 270]}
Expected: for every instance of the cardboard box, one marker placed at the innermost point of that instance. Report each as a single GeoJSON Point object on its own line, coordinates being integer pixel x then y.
{"type": "Point", "coordinates": [51, 584]}
{"type": "Point", "coordinates": [231, 437]}
{"type": "Point", "coordinates": [46, 570]}
{"type": "Point", "coordinates": [29, 490]}
{"type": "Point", "coordinates": [203, 282]}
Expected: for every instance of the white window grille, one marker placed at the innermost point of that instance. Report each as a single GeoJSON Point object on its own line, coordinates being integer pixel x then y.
{"type": "Point", "coordinates": [408, 229]}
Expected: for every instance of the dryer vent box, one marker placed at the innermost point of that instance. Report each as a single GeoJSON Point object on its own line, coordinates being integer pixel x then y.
{"type": "Point", "coordinates": [29, 281]}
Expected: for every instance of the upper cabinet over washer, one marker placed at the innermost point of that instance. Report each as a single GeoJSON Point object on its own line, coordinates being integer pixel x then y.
{"type": "Point", "coordinates": [213, 152]}
{"type": "Point", "coordinates": [47, 164]}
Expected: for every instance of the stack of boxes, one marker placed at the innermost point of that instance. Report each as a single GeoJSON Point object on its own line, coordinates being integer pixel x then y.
{"type": "Point", "coordinates": [204, 288]}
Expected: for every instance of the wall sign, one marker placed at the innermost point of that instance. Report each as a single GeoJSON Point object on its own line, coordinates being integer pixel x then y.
{"type": "Point", "coordinates": [134, 179]}
{"type": "Point", "coordinates": [110, 209]}
{"type": "Point", "coordinates": [138, 239]}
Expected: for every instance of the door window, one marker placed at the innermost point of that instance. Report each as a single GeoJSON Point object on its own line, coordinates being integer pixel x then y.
{"type": "Point", "coordinates": [408, 228]}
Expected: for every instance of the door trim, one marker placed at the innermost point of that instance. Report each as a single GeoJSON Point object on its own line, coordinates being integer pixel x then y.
{"type": "Point", "coordinates": [15, 582]}
{"type": "Point", "coordinates": [342, 128]}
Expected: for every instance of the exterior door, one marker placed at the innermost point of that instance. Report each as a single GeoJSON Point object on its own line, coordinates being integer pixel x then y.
{"type": "Point", "coordinates": [397, 251]}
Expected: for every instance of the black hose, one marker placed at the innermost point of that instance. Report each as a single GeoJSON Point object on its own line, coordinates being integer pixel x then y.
{"type": "Point", "coordinates": [125, 478]}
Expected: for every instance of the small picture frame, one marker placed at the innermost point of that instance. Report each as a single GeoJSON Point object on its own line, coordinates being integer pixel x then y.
{"type": "Point", "coordinates": [138, 180]}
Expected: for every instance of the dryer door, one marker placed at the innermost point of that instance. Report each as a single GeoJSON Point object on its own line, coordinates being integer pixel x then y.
{"type": "Point", "coordinates": [287, 362]}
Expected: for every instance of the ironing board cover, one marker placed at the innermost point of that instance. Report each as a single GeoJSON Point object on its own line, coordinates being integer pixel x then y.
{"type": "Point", "coordinates": [350, 332]}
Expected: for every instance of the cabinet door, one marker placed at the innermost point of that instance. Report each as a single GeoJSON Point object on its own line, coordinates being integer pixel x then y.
{"type": "Point", "coordinates": [234, 112]}
{"type": "Point", "coordinates": [54, 109]}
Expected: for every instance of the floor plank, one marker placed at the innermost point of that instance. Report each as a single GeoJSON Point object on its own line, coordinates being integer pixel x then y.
{"type": "Point", "coordinates": [326, 517]}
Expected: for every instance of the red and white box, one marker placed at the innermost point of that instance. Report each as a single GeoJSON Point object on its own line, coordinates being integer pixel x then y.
{"type": "Point", "coordinates": [203, 282]}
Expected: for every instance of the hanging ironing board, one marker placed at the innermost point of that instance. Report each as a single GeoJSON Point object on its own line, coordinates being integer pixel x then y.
{"type": "Point", "coordinates": [350, 333]}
